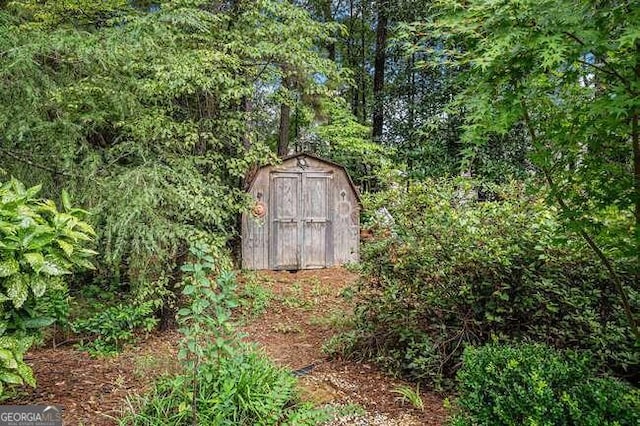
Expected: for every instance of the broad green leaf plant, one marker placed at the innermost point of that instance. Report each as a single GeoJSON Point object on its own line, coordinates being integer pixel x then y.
{"type": "Point", "coordinates": [39, 245]}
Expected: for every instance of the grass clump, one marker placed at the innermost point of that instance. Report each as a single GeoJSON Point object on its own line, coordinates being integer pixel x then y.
{"type": "Point", "coordinates": [255, 297]}
{"type": "Point", "coordinates": [245, 389]}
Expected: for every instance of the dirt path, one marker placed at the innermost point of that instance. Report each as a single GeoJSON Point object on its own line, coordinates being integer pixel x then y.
{"type": "Point", "coordinates": [305, 310]}
{"type": "Point", "coordinates": [291, 317]}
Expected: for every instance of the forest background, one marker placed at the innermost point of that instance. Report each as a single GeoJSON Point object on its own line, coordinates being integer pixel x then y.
{"type": "Point", "coordinates": [150, 115]}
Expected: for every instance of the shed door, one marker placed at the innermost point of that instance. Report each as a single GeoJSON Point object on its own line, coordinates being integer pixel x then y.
{"type": "Point", "coordinates": [316, 224]}
{"type": "Point", "coordinates": [300, 222]}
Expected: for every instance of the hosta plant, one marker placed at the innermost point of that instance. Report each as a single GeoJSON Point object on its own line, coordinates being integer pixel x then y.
{"type": "Point", "coordinates": [39, 244]}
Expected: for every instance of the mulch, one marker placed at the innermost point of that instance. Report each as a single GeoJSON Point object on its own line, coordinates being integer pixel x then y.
{"type": "Point", "coordinates": [292, 338]}
{"type": "Point", "coordinates": [93, 391]}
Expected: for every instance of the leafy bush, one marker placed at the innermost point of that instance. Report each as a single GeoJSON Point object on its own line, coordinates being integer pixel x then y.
{"type": "Point", "coordinates": [206, 322]}
{"type": "Point", "coordinates": [52, 311]}
{"type": "Point", "coordinates": [13, 369]}
{"type": "Point", "coordinates": [222, 383]}
{"type": "Point", "coordinates": [38, 245]}
{"type": "Point", "coordinates": [114, 326]}
{"type": "Point", "coordinates": [145, 232]}
{"type": "Point", "coordinates": [447, 271]}
{"type": "Point", "coordinates": [536, 385]}
{"type": "Point", "coordinates": [347, 141]}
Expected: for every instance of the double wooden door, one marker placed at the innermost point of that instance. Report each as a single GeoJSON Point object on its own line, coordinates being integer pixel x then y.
{"type": "Point", "coordinates": [300, 220]}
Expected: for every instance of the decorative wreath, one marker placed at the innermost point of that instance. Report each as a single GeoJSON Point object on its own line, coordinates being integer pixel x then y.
{"type": "Point", "coordinates": [259, 210]}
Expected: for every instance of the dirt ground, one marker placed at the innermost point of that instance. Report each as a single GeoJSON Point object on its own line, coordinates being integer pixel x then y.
{"type": "Point", "coordinates": [94, 391]}
{"type": "Point", "coordinates": [306, 311]}
{"type": "Point", "coordinates": [299, 314]}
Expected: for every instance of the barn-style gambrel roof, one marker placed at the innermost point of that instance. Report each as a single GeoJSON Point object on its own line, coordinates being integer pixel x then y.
{"type": "Point", "coordinates": [315, 157]}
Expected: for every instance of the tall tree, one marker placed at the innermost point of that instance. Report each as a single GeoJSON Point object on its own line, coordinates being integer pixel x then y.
{"type": "Point", "coordinates": [285, 121]}
{"type": "Point", "coordinates": [379, 71]}
{"type": "Point", "coordinates": [152, 105]}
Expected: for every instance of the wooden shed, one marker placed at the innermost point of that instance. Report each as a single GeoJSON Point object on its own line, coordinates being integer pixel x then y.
{"type": "Point", "coordinates": [306, 215]}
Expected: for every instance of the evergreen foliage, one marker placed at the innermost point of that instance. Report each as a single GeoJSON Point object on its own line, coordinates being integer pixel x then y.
{"type": "Point", "coordinates": [139, 112]}
{"type": "Point", "coordinates": [536, 385]}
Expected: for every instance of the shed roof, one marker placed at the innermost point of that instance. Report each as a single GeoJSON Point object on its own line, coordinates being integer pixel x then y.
{"type": "Point", "coordinates": [315, 157]}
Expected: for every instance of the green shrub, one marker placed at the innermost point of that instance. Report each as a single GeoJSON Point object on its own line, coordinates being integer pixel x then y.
{"type": "Point", "coordinates": [536, 385]}
{"type": "Point", "coordinates": [13, 369]}
{"type": "Point", "coordinates": [112, 327]}
{"type": "Point", "coordinates": [52, 309]}
{"type": "Point", "coordinates": [38, 246]}
{"type": "Point", "coordinates": [449, 272]}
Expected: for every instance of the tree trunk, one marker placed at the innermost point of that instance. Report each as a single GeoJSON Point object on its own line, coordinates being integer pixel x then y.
{"type": "Point", "coordinates": [411, 77]}
{"type": "Point", "coordinates": [351, 61]}
{"type": "Point", "coordinates": [328, 17]}
{"type": "Point", "coordinates": [635, 138]}
{"type": "Point", "coordinates": [378, 77]}
{"type": "Point", "coordinates": [283, 137]}
{"type": "Point", "coordinates": [363, 69]}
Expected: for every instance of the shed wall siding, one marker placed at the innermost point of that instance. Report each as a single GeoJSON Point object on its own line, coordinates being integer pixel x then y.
{"type": "Point", "coordinates": [346, 221]}
{"type": "Point", "coordinates": [255, 231]}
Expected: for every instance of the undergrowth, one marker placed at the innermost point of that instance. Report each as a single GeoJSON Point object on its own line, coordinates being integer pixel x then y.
{"type": "Point", "coordinates": [536, 385]}
{"type": "Point", "coordinates": [447, 272]}
{"type": "Point", "coordinates": [222, 382]}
